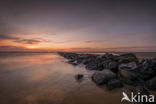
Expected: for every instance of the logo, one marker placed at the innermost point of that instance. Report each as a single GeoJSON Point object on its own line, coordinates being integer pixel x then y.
{"type": "Point", "coordinates": [137, 97]}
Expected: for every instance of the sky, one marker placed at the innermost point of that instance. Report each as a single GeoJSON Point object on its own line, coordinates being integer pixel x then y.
{"type": "Point", "coordinates": [78, 25]}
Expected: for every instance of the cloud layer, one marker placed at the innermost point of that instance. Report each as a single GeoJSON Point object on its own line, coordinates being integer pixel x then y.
{"type": "Point", "coordinates": [82, 24]}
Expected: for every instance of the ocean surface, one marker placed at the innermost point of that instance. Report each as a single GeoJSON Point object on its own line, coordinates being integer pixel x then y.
{"type": "Point", "coordinates": [46, 78]}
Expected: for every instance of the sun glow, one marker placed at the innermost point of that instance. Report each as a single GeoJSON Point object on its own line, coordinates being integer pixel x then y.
{"type": "Point", "coordinates": [31, 47]}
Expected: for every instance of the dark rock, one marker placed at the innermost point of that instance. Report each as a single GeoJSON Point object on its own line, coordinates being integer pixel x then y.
{"type": "Point", "coordinates": [99, 63]}
{"type": "Point", "coordinates": [154, 62]}
{"type": "Point", "coordinates": [154, 66]}
{"type": "Point", "coordinates": [151, 84]}
{"type": "Point", "coordinates": [100, 66]}
{"type": "Point", "coordinates": [130, 66]}
{"type": "Point", "coordinates": [73, 62]}
{"type": "Point", "coordinates": [106, 64]}
{"type": "Point", "coordinates": [128, 57]}
{"type": "Point", "coordinates": [108, 56]}
{"type": "Point", "coordinates": [129, 69]}
{"type": "Point", "coordinates": [146, 70]}
{"type": "Point", "coordinates": [103, 77]}
{"type": "Point", "coordinates": [146, 74]}
{"type": "Point", "coordinates": [91, 66]}
{"type": "Point", "coordinates": [115, 83]}
{"type": "Point", "coordinates": [79, 77]}
{"type": "Point", "coordinates": [147, 64]}
{"type": "Point", "coordinates": [113, 65]}
{"type": "Point", "coordinates": [99, 59]}
{"type": "Point", "coordinates": [88, 59]}
{"type": "Point", "coordinates": [127, 76]}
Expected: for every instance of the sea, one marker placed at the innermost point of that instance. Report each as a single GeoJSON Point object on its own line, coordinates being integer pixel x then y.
{"type": "Point", "coordinates": [47, 78]}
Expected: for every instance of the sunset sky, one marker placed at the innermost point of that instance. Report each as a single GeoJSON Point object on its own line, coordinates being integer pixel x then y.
{"type": "Point", "coordinates": [78, 25]}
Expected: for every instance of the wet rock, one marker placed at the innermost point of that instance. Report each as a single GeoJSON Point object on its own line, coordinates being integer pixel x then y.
{"type": "Point", "coordinates": [146, 69]}
{"type": "Point", "coordinates": [79, 77]}
{"type": "Point", "coordinates": [89, 59]}
{"type": "Point", "coordinates": [151, 84]}
{"type": "Point", "coordinates": [80, 59]}
{"type": "Point", "coordinates": [154, 63]}
{"type": "Point", "coordinates": [92, 66]}
{"type": "Point", "coordinates": [147, 64]}
{"type": "Point", "coordinates": [103, 77]}
{"type": "Point", "coordinates": [99, 62]}
{"type": "Point", "coordinates": [106, 64]}
{"type": "Point", "coordinates": [115, 83]}
{"type": "Point", "coordinates": [113, 65]}
{"type": "Point", "coordinates": [100, 66]}
{"type": "Point", "coordinates": [127, 66]}
{"type": "Point", "coordinates": [130, 66]}
{"type": "Point", "coordinates": [127, 76]}
{"type": "Point", "coordinates": [147, 74]}
{"type": "Point", "coordinates": [128, 57]}
{"type": "Point", "coordinates": [99, 59]}
{"type": "Point", "coordinates": [108, 56]}
{"type": "Point", "coordinates": [73, 62]}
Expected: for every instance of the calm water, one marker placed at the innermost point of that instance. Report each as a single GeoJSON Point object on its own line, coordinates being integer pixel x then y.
{"type": "Point", "coordinates": [35, 78]}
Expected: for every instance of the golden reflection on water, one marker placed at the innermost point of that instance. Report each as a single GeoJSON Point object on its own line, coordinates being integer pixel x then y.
{"type": "Point", "coordinates": [36, 79]}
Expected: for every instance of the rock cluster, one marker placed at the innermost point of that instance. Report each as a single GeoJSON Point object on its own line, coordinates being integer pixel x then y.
{"type": "Point", "coordinates": [116, 70]}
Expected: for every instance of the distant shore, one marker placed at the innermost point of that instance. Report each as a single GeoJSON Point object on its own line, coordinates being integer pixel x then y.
{"type": "Point", "coordinates": [138, 54]}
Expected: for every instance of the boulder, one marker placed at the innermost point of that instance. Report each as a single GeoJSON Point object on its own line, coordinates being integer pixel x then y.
{"type": "Point", "coordinates": [154, 62]}
{"type": "Point", "coordinates": [146, 64]}
{"type": "Point", "coordinates": [78, 77]}
{"type": "Point", "coordinates": [128, 57]}
{"type": "Point", "coordinates": [100, 66]}
{"type": "Point", "coordinates": [146, 69]}
{"type": "Point", "coordinates": [89, 60]}
{"type": "Point", "coordinates": [108, 56]}
{"type": "Point", "coordinates": [130, 66]}
{"type": "Point", "coordinates": [115, 83]}
{"type": "Point", "coordinates": [113, 65]}
{"type": "Point", "coordinates": [127, 74]}
{"type": "Point", "coordinates": [151, 84]}
{"type": "Point", "coordinates": [73, 62]}
{"type": "Point", "coordinates": [103, 77]}
{"type": "Point", "coordinates": [106, 64]}
{"type": "Point", "coordinates": [146, 74]}
{"type": "Point", "coordinates": [91, 66]}
{"type": "Point", "coordinates": [128, 77]}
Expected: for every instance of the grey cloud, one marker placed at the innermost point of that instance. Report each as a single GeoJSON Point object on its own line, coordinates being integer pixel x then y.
{"type": "Point", "coordinates": [94, 41]}
{"type": "Point", "coordinates": [29, 41]}
{"type": "Point", "coordinates": [11, 48]}
{"type": "Point", "coordinates": [7, 37]}
{"type": "Point", "coordinates": [21, 40]}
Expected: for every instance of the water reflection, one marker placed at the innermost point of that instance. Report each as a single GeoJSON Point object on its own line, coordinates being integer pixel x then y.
{"type": "Point", "coordinates": [36, 79]}
{"type": "Point", "coordinates": [47, 79]}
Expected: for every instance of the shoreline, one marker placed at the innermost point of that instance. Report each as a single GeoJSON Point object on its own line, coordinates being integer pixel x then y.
{"type": "Point", "coordinates": [115, 71]}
